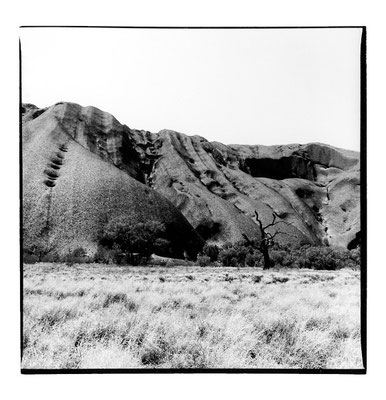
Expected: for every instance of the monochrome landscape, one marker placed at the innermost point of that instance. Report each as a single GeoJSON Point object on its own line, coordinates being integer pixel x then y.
{"type": "Point", "coordinates": [167, 250]}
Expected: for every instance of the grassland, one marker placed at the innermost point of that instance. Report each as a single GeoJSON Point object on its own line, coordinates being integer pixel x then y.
{"type": "Point", "coordinates": [95, 316]}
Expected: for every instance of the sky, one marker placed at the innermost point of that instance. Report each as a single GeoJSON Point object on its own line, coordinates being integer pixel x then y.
{"type": "Point", "coordinates": [262, 86]}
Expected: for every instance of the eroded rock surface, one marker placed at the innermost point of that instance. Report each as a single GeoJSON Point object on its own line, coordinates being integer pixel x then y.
{"type": "Point", "coordinates": [75, 180]}
{"type": "Point", "coordinates": [313, 188]}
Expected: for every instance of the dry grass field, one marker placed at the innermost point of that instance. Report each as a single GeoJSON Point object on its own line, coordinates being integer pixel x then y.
{"type": "Point", "coordinates": [95, 316]}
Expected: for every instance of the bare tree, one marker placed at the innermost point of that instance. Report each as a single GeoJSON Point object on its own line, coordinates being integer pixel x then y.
{"type": "Point", "coordinates": [267, 238]}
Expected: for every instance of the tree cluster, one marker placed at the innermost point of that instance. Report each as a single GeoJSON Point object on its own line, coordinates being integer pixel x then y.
{"type": "Point", "coordinates": [134, 242]}
{"type": "Point", "coordinates": [125, 243]}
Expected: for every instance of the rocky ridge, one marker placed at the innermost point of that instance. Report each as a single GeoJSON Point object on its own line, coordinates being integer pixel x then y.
{"type": "Point", "coordinates": [314, 188]}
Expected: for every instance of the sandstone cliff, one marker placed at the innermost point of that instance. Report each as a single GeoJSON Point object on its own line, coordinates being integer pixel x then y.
{"type": "Point", "coordinates": [184, 180]}
{"type": "Point", "coordinates": [70, 192]}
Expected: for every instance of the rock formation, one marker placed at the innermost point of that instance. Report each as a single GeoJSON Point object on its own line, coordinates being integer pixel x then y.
{"type": "Point", "coordinates": [70, 192]}
{"type": "Point", "coordinates": [81, 167]}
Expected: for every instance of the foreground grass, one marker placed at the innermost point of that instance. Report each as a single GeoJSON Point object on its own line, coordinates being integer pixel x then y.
{"type": "Point", "coordinates": [93, 316]}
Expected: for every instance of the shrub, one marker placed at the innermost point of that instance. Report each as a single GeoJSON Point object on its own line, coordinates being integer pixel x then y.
{"type": "Point", "coordinates": [51, 257]}
{"type": "Point", "coordinates": [211, 250]}
{"type": "Point", "coordinates": [162, 247]}
{"type": "Point", "coordinates": [42, 249]}
{"type": "Point", "coordinates": [355, 256]}
{"type": "Point", "coordinates": [280, 279]}
{"type": "Point", "coordinates": [203, 261]}
{"type": "Point", "coordinates": [321, 258]}
{"type": "Point", "coordinates": [105, 255]}
{"type": "Point", "coordinates": [79, 252]}
{"type": "Point", "coordinates": [350, 258]}
{"type": "Point", "coordinates": [233, 262]}
{"type": "Point", "coordinates": [256, 278]}
{"type": "Point", "coordinates": [277, 256]}
{"type": "Point", "coordinates": [152, 356]}
{"type": "Point", "coordinates": [143, 261]}
{"type": "Point", "coordinates": [29, 258]}
{"type": "Point", "coordinates": [216, 264]}
{"type": "Point", "coordinates": [304, 256]}
{"type": "Point", "coordinates": [127, 240]}
{"type": "Point", "coordinates": [250, 260]}
{"type": "Point", "coordinates": [233, 255]}
{"type": "Point", "coordinates": [76, 256]}
{"type": "Point", "coordinates": [226, 256]}
{"type": "Point", "coordinates": [318, 258]}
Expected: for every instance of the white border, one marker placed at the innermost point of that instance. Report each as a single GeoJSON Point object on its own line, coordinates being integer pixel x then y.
{"type": "Point", "coordinates": [242, 13]}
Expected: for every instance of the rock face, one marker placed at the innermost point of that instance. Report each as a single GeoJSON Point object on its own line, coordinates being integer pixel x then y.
{"type": "Point", "coordinates": [70, 192]}
{"type": "Point", "coordinates": [81, 167]}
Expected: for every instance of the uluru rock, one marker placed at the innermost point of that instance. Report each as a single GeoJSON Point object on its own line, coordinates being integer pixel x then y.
{"type": "Point", "coordinates": [304, 185]}
{"type": "Point", "coordinates": [206, 189]}
{"type": "Point", "coordinates": [70, 192]}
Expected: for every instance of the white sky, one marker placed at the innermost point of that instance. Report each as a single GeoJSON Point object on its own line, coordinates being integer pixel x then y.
{"type": "Point", "coordinates": [270, 86]}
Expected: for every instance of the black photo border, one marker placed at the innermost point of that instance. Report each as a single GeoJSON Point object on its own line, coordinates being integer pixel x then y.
{"type": "Point", "coordinates": [363, 219]}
